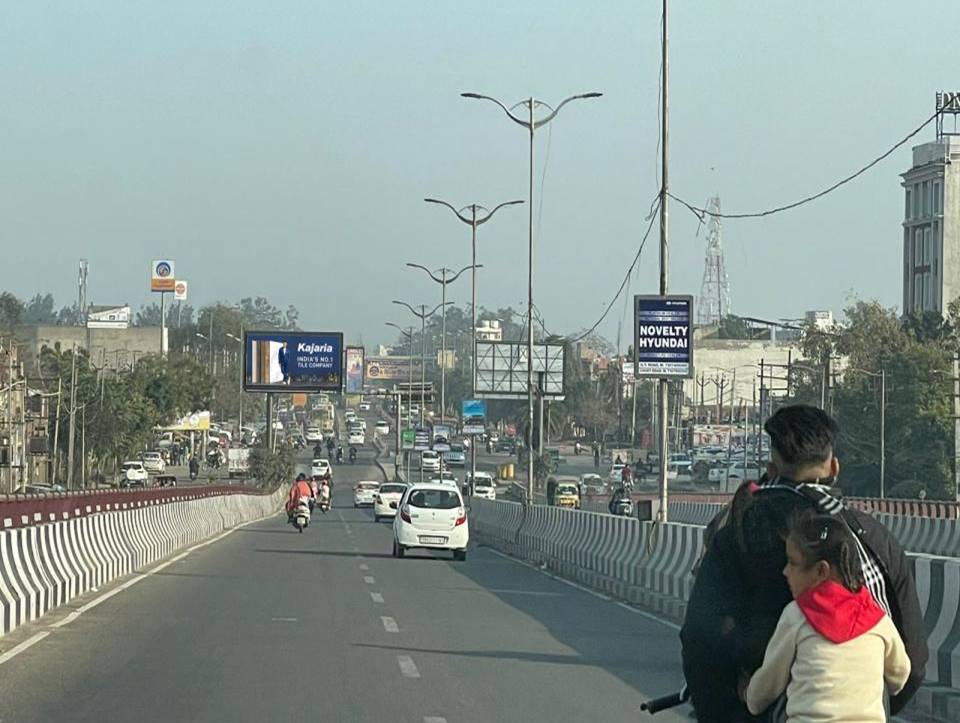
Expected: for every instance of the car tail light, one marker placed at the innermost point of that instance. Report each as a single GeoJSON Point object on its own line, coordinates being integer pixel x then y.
{"type": "Point", "coordinates": [461, 517]}
{"type": "Point", "coordinates": [405, 514]}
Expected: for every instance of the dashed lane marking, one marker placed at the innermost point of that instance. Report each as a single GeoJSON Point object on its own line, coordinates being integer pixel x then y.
{"type": "Point", "coordinates": [376, 597]}
{"type": "Point", "coordinates": [283, 620]}
{"type": "Point", "coordinates": [369, 579]}
{"type": "Point", "coordinates": [434, 719]}
{"type": "Point", "coordinates": [390, 625]}
{"type": "Point", "coordinates": [364, 566]}
{"type": "Point", "coordinates": [407, 666]}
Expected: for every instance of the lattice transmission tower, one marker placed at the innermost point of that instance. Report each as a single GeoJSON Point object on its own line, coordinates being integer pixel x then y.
{"type": "Point", "coordinates": [714, 301]}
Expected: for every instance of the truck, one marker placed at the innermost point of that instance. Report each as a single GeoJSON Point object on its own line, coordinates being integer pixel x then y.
{"type": "Point", "coordinates": [238, 461]}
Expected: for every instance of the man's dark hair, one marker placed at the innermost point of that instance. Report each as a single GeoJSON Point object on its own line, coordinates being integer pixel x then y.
{"type": "Point", "coordinates": [802, 434]}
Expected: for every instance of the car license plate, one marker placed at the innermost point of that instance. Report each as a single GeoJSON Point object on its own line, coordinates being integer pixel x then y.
{"type": "Point", "coordinates": [430, 540]}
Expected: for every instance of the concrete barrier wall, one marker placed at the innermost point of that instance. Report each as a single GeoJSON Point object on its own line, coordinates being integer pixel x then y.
{"type": "Point", "coordinates": [650, 564]}
{"type": "Point", "coordinates": [45, 565]}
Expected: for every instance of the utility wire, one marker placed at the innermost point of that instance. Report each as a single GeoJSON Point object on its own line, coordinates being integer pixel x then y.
{"type": "Point", "coordinates": [702, 213]}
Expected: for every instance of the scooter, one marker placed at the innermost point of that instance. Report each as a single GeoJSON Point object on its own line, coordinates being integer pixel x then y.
{"type": "Point", "coordinates": [353, 455]}
{"type": "Point", "coordinates": [623, 507]}
{"type": "Point", "coordinates": [323, 502]}
{"type": "Point", "coordinates": [301, 516]}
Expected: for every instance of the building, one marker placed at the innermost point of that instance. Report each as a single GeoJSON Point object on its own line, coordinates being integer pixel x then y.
{"type": "Point", "coordinates": [489, 330]}
{"type": "Point", "coordinates": [109, 347]}
{"type": "Point", "coordinates": [931, 226]}
{"type": "Point", "coordinates": [108, 317]}
{"type": "Point", "coordinates": [820, 320]}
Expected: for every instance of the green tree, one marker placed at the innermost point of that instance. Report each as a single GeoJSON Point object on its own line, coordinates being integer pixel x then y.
{"type": "Point", "coordinates": [40, 310]}
{"type": "Point", "coordinates": [11, 311]}
{"type": "Point", "coordinates": [734, 327]}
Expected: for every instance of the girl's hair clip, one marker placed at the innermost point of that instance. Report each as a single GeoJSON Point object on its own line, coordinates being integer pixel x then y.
{"type": "Point", "coordinates": [823, 533]}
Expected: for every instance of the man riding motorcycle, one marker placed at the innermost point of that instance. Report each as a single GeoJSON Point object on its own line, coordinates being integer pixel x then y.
{"type": "Point", "coordinates": [300, 489]}
{"type": "Point", "coordinates": [339, 453]}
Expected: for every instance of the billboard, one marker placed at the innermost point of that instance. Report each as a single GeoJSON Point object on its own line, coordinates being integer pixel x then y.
{"type": "Point", "coordinates": [354, 371]}
{"type": "Point", "coordinates": [421, 438]}
{"type": "Point", "coordinates": [180, 290]}
{"type": "Point", "coordinates": [502, 369]}
{"type": "Point", "coordinates": [392, 367]}
{"type": "Point", "coordinates": [663, 336]}
{"type": "Point", "coordinates": [474, 416]}
{"type": "Point", "coordinates": [162, 276]}
{"type": "Point", "coordinates": [441, 438]}
{"type": "Point", "coordinates": [292, 361]}
{"type": "Point", "coordinates": [406, 439]}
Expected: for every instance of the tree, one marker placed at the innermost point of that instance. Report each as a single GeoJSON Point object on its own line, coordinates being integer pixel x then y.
{"type": "Point", "coordinates": [11, 311]}
{"type": "Point", "coordinates": [40, 310]}
{"type": "Point", "coordinates": [734, 327]}
{"type": "Point", "coordinates": [69, 315]}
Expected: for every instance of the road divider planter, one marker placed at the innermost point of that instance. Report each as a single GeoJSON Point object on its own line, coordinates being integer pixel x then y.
{"type": "Point", "coordinates": [650, 564]}
{"type": "Point", "coordinates": [92, 541]}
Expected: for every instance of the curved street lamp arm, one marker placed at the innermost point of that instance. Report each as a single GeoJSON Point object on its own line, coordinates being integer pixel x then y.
{"type": "Point", "coordinates": [429, 272]}
{"type": "Point", "coordinates": [462, 217]}
{"type": "Point", "coordinates": [495, 209]}
{"type": "Point", "coordinates": [437, 308]}
{"type": "Point", "coordinates": [451, 279]}
{"type": "Point", "coordinates": [511, 116]}
{"type": "Point", "coordinates": [412, 310]}
{"type": "Point", "coordinates": [552, 115]}
{"type": "Point", "coordinates": [403, 331]}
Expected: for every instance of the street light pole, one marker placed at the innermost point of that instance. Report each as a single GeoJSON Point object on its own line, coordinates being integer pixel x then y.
{"type": "Point", "coordinates": [664, 266]}
{"type": "Point", "coordinates": [423, 316]}
{"type": "Point", "coordinates": [443, 281]}
{"type": "Point", "coordinates": [531, 124]}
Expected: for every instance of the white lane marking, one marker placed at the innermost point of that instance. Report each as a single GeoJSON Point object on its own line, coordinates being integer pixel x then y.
{"type": "Point", "coordinates": [434, 719]}
{"type": "Point", "coordinates": [587, 590]}
{"type": "Point", "coordinates": [31, 641]}
{"type": "Point", "coordinates": [369, 579]}
{"type": "Point", "coordinates": [364, 566]}
{"type": "Point", "coordinates": [650, 616]}
{"type": "Point", "coordinates": [376, 597]}
{"type": "Point", "coordinates": [283, 620]}
{"type": "Point", "coordinates": [407, 666]}
{"type": "Point", "coordinates": [390, 625]}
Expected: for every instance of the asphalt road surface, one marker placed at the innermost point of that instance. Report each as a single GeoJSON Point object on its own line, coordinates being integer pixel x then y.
{"type": "Point", "coordinates": [267, 624]}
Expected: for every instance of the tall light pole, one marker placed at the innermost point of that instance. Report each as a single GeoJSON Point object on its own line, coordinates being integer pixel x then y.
{"type": "Point", "coordinates": [423, 315]}
{"type": "Point", "coordinates": [473, 220]}
{"type": "Point", "coordinates": [209, 340]}
{"type": "Point", "coordinates": [408, 332]}
{"type": "Point", "coordinates": [443, 280]}
{"type": "Point", "coordinates": [239, 340]}
{"type": "Point", "coordinates": [882, 376]}
{"type": "Point", "coordinates": [664, 186]}
{"type": "Point", "coordinates": [531, 124]}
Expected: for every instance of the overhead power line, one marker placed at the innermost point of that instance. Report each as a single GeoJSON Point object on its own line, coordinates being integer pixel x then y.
{"type": "Point", "coordinates": [702, 213]}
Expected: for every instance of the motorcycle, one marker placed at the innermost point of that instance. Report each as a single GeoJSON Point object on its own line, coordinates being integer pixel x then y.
{"type": "Point", "coordinates": [622, 507]}
{"type": "Point", "coordinates": [353, 455]}
{"type": "Point", "coordinates": [323, 501]}
{"type": "Point", "coordinates": [301, 516]}
{"type": "Point", "coordinates": [339, 455]}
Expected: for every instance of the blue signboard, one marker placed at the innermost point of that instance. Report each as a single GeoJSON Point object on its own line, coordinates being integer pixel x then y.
{"type": "Point", "coordinates": [474, 416]}
{"type": "Point", "coordinates": [292, 361]}
{"type": "Point", "coordinates": [663, 336]}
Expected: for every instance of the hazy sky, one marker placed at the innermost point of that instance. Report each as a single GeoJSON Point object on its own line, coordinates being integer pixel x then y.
{"type": "Point", "coordinates": [283, 149]}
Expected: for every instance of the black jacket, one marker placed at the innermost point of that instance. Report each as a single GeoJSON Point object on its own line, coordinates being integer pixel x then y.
{"type": "Point", "coordinates": [740, 591]}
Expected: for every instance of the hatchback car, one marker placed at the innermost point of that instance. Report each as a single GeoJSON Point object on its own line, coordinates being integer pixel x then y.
{"type": "Point", "coordinates": [483, 486]}
{"type": "Point", "coordinates": [382, 428]}
{"type": "Point", "coordinates": [455, 456]}
{"type": "Point", "coordinates": [431, 517]}
{"type": "Point", "coordinates": [153, 462]}
{"type": "Point", "coordinates": [319, 467]}
{"type": "Point", "coordinates": [364, 406]}
{"type": "Point", "coordinates": [430, 461]}
{"type": "Point", "coordinates": [356, 437]}
{"type": "Point", "coordinates": [387, 500]}
{"type": "Point", "coordinates": [365, 493]}
{"type": "Point", "coordinates": [313, 435]}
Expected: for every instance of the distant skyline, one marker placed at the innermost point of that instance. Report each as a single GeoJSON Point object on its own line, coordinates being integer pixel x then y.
{"type": "Point", "coordinates": [285, 150]}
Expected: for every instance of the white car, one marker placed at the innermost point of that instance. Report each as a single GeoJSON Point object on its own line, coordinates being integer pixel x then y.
{"type": "Point", "coordinates": [483, 486]}
{"type": "Point", "coordinates": [362, 423]}
{"type": "Point", "coordinates": [365, 493]}
{"type": "Point", "coordinates": [382, 428]}
{"type": "Point", "coordinates": [349, 415]}
{"type": "Point", "coordinates": [134, 474]}
{"type": "Point", "coordinates": [364, 406]}
{"type": "Point", "coordinates": [430, 461]}
{"type": "Point", "coordinates": [314, 435]}
{"type": "Point", "coordinates": [431, 517]}
{"type": "Point", "coordinates": [616, 473]}
{"type": "Point", "coordinates": [153, 462]}
{"type": "Point", "coordinates": [444, 478]}
{"type": "Point", "coordinates": [320, 467]}
{"type": "Point", "coordinates": [356, 437]}
{"type": "Point", "coordinates": [387, 500]}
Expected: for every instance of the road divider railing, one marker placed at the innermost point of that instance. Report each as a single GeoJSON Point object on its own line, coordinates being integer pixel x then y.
{"type": "Point", "coordinates": [650, 564]}
{"type": "Point", "coordinates": [48, 563]}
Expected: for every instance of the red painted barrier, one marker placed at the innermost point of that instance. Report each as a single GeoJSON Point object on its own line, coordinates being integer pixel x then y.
{"type": "Point", "coordinates": [26, 510]}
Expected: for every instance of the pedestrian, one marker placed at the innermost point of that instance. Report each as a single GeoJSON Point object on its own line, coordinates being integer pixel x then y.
{"type": "Point", "coordinates": [739, 592]}
{"type": "Point", "coordinates": [596, 456]}
{"type": "Point", "coordinates": [832, 629]}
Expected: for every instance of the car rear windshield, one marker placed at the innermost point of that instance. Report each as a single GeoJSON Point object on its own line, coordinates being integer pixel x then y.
{"type": "Point", "coordinates": [368, 486]}
{"type": "Point", "coordinates": [386, 489]}
{"type": "Point", "coordinates": [481, 482]}
{"type": "Point", "coordinates": [434, 499]}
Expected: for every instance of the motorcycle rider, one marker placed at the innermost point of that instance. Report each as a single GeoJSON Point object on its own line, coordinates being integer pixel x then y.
{"type": "Point", "coordinates": [739, 591]}
{"type": "Point", "coordinates": [300, 489]}
{"type": "Point", "coordinates": [626, 476]}
{"type": "Point", "coordinates": [353, 455]}
{"type": "Point", "coordinates": [317, 450]}
{"type": "Point", "coordinates": [339, 453]}
{"type": "Point", "coordinates": [324, 494]}
{"type": "Point", "coordinates": [194, 467]}
{"type": "Point", "coordinates": [576, 448]}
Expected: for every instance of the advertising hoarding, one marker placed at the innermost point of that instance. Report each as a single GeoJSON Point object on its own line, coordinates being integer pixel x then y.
{"type": "Point", "coordinates": [180, 290]}
{"type": "Point", "coordinates": [474, 416]}
{"type": "Point", "coordinates": [392, 368]}
{"type": "Point", "coordinates": [663, 336]}
{"type": "Point", "coordinates": [502, 370]}
{"type": "Point", "coordinates": [292, 361]}
{"type": "Point", "coordinates": [354, 371]}
{"type": "Point", "coordinates": [162, 277]}
{"type": "Point", "coordinates": [441, 438]}
{"type": "Point", "coordinates": [407, 437]}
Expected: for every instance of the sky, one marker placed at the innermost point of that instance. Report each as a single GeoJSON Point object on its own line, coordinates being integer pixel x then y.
{"type": "Point", "coordinates": [283, 149]}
